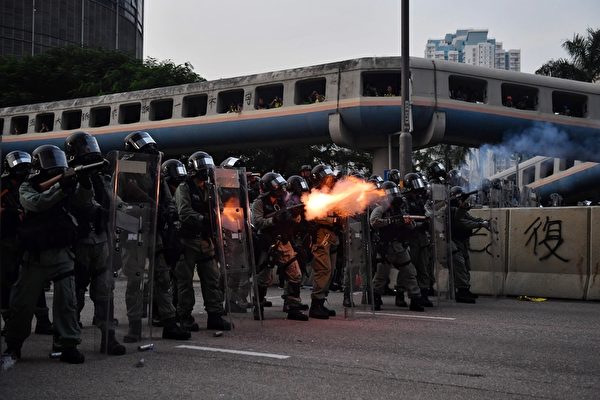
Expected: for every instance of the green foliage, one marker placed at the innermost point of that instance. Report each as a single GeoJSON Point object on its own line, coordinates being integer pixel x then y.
{"type": "Point", "coordinates": [74, 72]}
{"type": "Point", "coordinates": [450, 155]}
{"type": "Point", "coordinates": [287, 160]}
{"type": "Point", "coordinates": [585, 59]}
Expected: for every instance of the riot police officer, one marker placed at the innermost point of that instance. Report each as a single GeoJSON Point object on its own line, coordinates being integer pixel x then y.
{"type": "Point", "coordinates": [48, 232]}
{"type": "Point", "coordinates": [324, 249]}
{"type": "Point", "coordinates": [394, 228]}
{"type": "Point", "coordinates": [91, 250]}
{"type": "Point", "coordinates": [142, 142]}
{"type": "Point", "coordinates": [15, 169]}
{"type": "Point", "coordinates": [462, 226]}
{"type": "Point", "coordinates": [415, 194]}
{"type": "Point", "coordinates": [436, 173]}
{"type": "Point", "coordinates": [394, 176]}
{"type": "Point", "coordinates": [275, 226]}
{"type": "Point", "coordinates": [193, 200]}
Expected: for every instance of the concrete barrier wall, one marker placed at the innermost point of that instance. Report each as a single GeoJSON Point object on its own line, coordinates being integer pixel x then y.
{"type": "Point", "coordinates": [546, 252]}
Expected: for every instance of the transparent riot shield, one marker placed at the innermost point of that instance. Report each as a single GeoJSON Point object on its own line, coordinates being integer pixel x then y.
{"type": "Point", "coordinates": [132, 224]}
{"type": "Point", "coordinates": [440, 234]}
{"type": "Point", "coordinates": [235, 246]}
{"type": "Point", "coordinates": [358, 288]}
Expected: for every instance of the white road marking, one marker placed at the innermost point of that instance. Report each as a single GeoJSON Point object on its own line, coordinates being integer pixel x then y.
{"type": "Point", "coordinates": [407, 316]}
{"type": "Point", "coordinates": [246, 353]}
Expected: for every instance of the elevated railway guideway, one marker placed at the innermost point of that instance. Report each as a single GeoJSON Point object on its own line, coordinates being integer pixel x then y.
{"type": "Point", "coordinates": [353, 103]}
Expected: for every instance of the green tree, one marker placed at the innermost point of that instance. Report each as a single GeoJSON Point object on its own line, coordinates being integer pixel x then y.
{"type": "Point", "coordinates": [73, 72]}
{"type": "Point", "coordinates": [584, 63]}
{"type": "Point", "coordinates": [450, 155]}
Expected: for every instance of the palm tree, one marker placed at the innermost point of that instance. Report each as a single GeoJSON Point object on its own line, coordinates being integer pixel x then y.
{"type": "Point", "coordinates": [584, 64]}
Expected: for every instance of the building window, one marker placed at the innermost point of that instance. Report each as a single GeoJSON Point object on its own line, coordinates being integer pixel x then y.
{"type": "Point", "coordinates": [310, 91]}
{"type": "Point", "coordinates": [18, 125]}
{"type": "Point", "coordinates": [161, 109]}
{"type": "Point", "coordinates": [519, 96]}
{"type": "Point", "coordinates": [468, 89]}
{"type": "Point", "coordinates": [546, 168]}
{"type": "Point", "coordinates": [129, 113]}
{"type": "Point", "coordinates": [528, 175]}
{"type": "Point", "coordinates": [99, 116]}
{"type": "Point", "coordinates": [71, 120]}
{"type": "Point", "coordinates": [194, 106]}
{"type": "Point", "coordinates": [270, 96]}
{"type": "Point", "coordinates": [230, 101]}
{"type": "Point", "coordinates": [569, 104]}
{"type": "Point", "coordinates": [44, 122]}
{"type": "Point", "coordinates": [381, 84]}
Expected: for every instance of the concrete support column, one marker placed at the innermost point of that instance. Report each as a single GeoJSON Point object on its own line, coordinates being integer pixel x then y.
{"type": "Point", "coordinates": [380, 159]}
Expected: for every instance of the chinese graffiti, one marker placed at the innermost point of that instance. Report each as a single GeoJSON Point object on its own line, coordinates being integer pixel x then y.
{"type": "Point", "coordinates": [211, 102]}
{"type": "Point", "coordinates": [248, 98]}
{"type": "Point", "coordinates": [550, 237]}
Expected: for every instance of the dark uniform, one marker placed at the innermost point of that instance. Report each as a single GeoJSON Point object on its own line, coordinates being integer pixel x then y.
{"type": "Point", "coordinates": [48, 232]}
{"type": "Point", "coordinates": [192, 198]}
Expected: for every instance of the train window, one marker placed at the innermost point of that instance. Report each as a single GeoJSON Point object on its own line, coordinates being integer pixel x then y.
{"type": "Point", "coordinates": [528, 175]}
{"type": "Point", "coordinates": [1, 126]}
{"type": "Point", "coordinates": [99, 116]}
{"type": "Point", "coordinates": [569, 163]}
{"type": "Point", "coordinates": [519, 96]}
{"type": "Point", "coordinates": [468, 89]}
{"type": "Point", "coordinates": [387, 84]}
{"type": "Point", "coordinates": [71, 119]}
{"type": "Point", "coordinates": [18, 125]}
{"type": "Point", "coordinates": [310, 91]}
{"type": "Point", "coordinates": [161, 109]}
{"type": "Point", "coordinates": [129, 113]}
{"type": "Point", "coordinates": [569, 104]}
{"type": "Point", "coordinates": [546, 168]}
{"type": "Point", "coordinates": [44, 122]}
{"type": "Point", "coordinates": [230, 101]}
{"type": "Point", "coordinates": [270, 96]}
{"type": "Point", "coordinates": [194, 106]}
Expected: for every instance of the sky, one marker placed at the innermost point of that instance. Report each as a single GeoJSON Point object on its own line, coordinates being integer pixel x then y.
{"type": "Point", "coordinates": [228, 38]}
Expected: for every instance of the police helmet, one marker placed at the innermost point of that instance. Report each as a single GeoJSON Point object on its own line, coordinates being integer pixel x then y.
{"type": "Point", "coordinates": [140, 141]}
{"type": "Point", "coordinates": [273, 184]}
{"type": "Point", "coordinates": [323, 175]}
{"type": "Point", "coordinates": [376, 180]}
{"type": "Point", "coordinates": [414, 182]}
{"type": "Point", "coordinates": [456, 192]}
{"type": "Point", "coordinates": [173, 171]}
{"type": "Point", "coordinates": [232, 162]}
{"type": "Point", "coordinates": [199, 163]}
{"type": "Point", "coordinates": [394, 176]}
{"type": "Point", "coordinates": [391, 190]}
{"type": "Point", "coordinates": [81, 148]}
{"type": "Point", "coordinates": [297, 185]}
{"type": "Point", "coordinates": [436, 170]}
{"type": "Point", "coordinates": [47, 160]}
{"type": "Point", "coordinates": [16, 163]}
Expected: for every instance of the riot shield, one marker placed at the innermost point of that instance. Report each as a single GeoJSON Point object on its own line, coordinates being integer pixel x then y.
{"type": "Point", "coordinates": [132, 225]}
{"type": "Point", "coordinates": [440, 233]}
{"type": "Point", "coordinates": [235, 246]}
{"type": "Point", "coordinates": [358, 288]}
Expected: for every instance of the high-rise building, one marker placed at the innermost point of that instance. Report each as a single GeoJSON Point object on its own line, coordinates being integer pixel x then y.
{"type": "Point", "coordinates": [29, 27]}
{"type": "Point", "coordinates": [472, 46]}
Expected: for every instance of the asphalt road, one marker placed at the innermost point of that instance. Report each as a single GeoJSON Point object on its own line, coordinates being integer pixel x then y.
{"type": "Point", "coordinates": [497, 349]}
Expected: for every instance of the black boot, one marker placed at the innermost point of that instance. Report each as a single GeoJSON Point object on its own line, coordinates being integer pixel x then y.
{"type": "Point", "coordinates": [135, 332]}
{"type": "Point", "coordinates": [43, 325]}
{"type": "Point", "coordinates": [188, 323]}
{"type": "Point", "coordinates": [110, 345]}
{"type": "Point", "coordinates": [347, 299]}
{"type": "Point", "coordinates": [473, 295]}
{"type": "Point", "coordinates": [377, 302]}
{"type": "Point", "coordinates": [317, 310]}
{"type": "Point", "coordinates": [400, 302]}
{"type": "Point", "coordinates": [329, 310]}
{"type": "Point", "coordinates": [416, 305]}
{"type": "Point", "coordinates": [236, 308]}
{"type": "Point", "coordinates": [424, 299]}
{"type": "Point", "coordinates": [462, 296]}
{"type": "Point", "coordinates": [72, 356]}
{"type": "Point", "coordinates": [296, 314]}
{"type": "Point", "coordinates": [172, 331]}
{"type": "Point", "coordinates": [216, 322]}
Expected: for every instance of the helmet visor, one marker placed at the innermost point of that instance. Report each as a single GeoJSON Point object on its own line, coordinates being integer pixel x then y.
{"type": "Point", "coordinates": [141, 140]}
{"type": "Point", "coordinates": [202, 162]}
{"type": "Point", "coordinates": [16, 158]}
{"type": "Point", "coordinates": [418, 183]}
{"type": "Point", "coordinates": [392, 192]}
{"type": "Point", "coordinates": [52, 159]}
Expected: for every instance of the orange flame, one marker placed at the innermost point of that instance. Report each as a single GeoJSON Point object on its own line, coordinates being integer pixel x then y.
{"type": "Point", "coordinates": [231, 215]}
{"type": "Point", "coordinates": [349, 196]}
